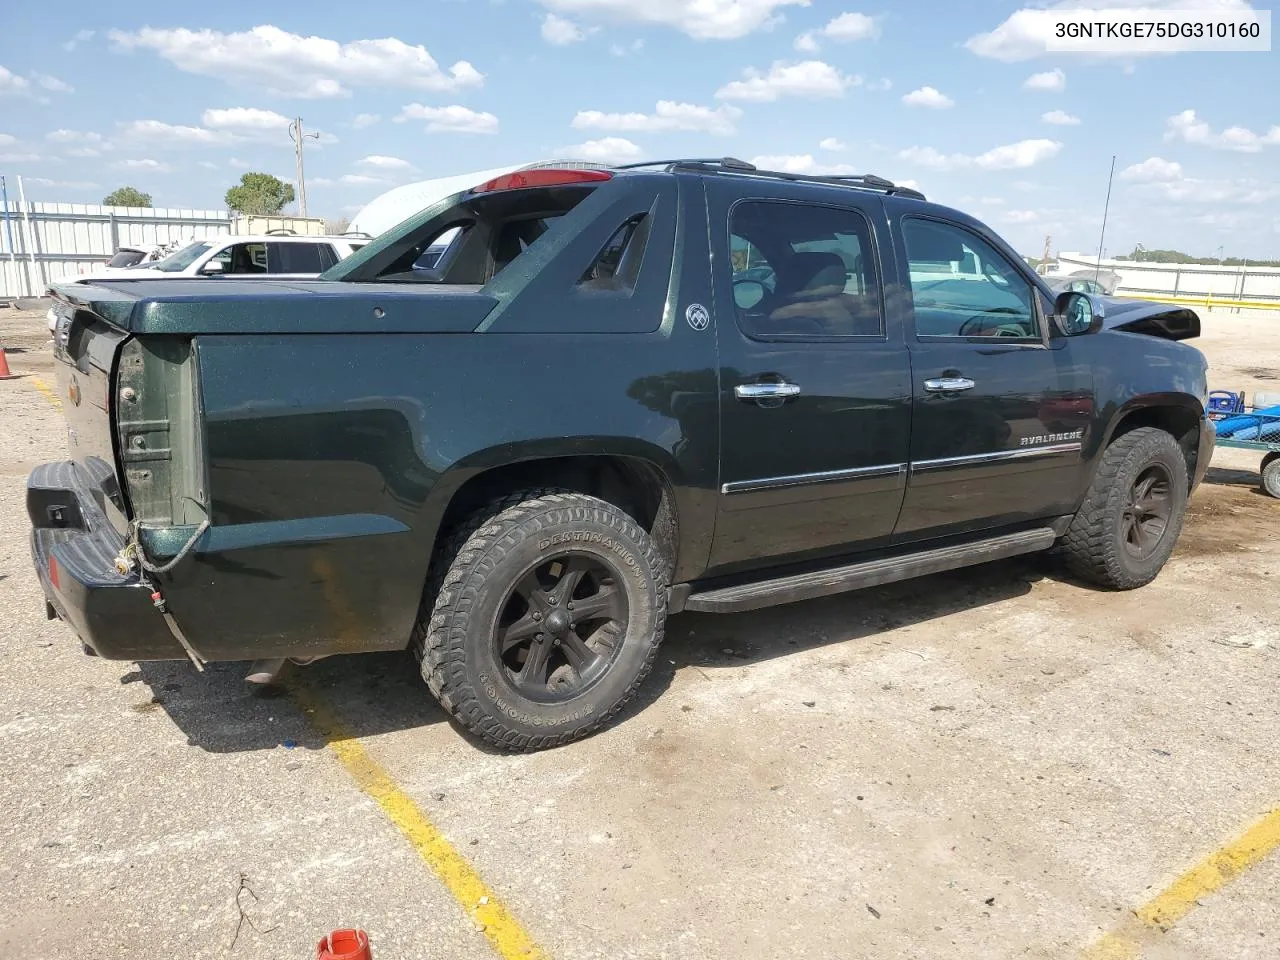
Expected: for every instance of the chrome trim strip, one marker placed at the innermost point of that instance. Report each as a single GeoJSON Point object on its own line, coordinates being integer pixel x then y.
{"type": "Point", "coordinates": [974, 459]}
{"type": "Point", "coordinates": [825, 476]}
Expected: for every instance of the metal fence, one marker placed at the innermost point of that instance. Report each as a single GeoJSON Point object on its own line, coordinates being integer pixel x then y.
{"type": "Point", "coordinates": [42, 242]}
{"type": "Point", "coordinates": [1237, 286]}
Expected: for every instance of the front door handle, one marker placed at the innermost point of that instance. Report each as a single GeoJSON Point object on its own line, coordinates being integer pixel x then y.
{"type": "Point", "coordinates": [949, 384]}
{"type": "Point", "coordinates": [766, 391]}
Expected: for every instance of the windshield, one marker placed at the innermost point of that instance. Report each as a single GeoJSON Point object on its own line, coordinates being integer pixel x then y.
{"type": "Point", "coordinates": [183, 258]}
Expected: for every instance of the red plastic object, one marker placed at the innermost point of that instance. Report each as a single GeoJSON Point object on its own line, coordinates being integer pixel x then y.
{"type": "Point", "coordinates": [345, 945]}
{"type": "Point", "coordinates": [4, 368]}
{"type": "Point", "coordinates": [547, 177]}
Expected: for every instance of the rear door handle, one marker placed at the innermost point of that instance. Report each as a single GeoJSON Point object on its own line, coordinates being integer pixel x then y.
{"type": "Point", "coordinates": [766, 391]}
{"type": "Point", "coordinates": [949, 384]}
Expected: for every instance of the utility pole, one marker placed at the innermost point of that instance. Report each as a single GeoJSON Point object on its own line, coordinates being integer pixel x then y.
{"type": "Point", "coordinates": [297, 136]}
{"type": "Point", "coordinates": [1105, 208]}
{"type": "Point", "coordinates": [1045, 258]}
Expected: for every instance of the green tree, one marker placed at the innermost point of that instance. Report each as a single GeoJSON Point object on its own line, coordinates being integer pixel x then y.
{"type": "Point", "coordinates": [127, 197]}
{"type": "Point", "coordinates": [259, 194]}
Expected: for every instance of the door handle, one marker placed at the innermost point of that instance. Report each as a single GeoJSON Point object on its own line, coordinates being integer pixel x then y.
{"type": "Point", "coordinates": [766, 391]}
{"type": "Point", "coordinates": [949, 384]}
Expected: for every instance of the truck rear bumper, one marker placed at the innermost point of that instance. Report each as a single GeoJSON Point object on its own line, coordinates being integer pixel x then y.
{"type": "Point", "coordinates": [74, 547]}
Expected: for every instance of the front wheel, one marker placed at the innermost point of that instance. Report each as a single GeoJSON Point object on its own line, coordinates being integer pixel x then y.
{"type": "Point", "coordinates": [548, 611]}
{"type": "Point", "coordinates": [1131, 517]}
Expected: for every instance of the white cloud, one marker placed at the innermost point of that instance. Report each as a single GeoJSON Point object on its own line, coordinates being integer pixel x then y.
{"type": "Point", "coordinates": [386, 163]}
{"type": "Point", "coordinates": [452, 119]}
{"type": "Point", "coordinates": [1186, 126]}
{"type": "Point", "coordinates": [170, 134]}
{"type": "Point", "coordinates": [1152, 170]}
{"type": "Point", "coordinates": [291, 65]}
{"type": "Point", "coordinates": [11, 83]}
{"type": "Point", "coordinates": [81, 36]}
{"type": "Point", "coordinates": [811, 79]}
{"type": "Point", "coordinates": [802, 163]}
{"type": "Point", "coordinates": [52, 84]}
{"type": "Point", "coordinates": [604, 150]}
{"type": "Point", "coordinates": [246, 118]}
{"type": "Point", "coordinates": [668, 115]}
{"type": "Point", "coordinates": [1051, 81]}
{"type": "Point", "coordinates": [928, 97]}
{"type": "Point", "coordinates": [807, 43]}
{"type": "Point", "coordinates": [1019, 216]}
{"type": "Point", "coordinates": [1024, 34]}
{"type": "Point", "coordinates": [618, 50]}
{"type": "Point", "coordinates": [63, 184]}
{"type": "Point", "coordinates": [881, 85]}
{"type": "Point", "coordinates": [208, 165]}
{"type": "Point", "coordinates": [363, 120]}
{"type": "Point", "coordinates": [19, 157]}
{"type": "Point", "coordinates": [1013, 156]}
{"type": "Point", "coordinates": [700, 19]}
{"type": "Point", "coordinates": [235, 163]}
{"type": "Point", "coordinates": [560, 32]}
{"type": "Point", "coordinates": [63, 135]}
{"type": "Point", "coordinates": [831, 143]}
{"type": "Point", "coordinates": [146, 165]}
{"type": "Point", "coordinates": [845, 28]}
{"type": "Point", "coordinates": [360, 179]}
{"type": "Point", "coordinates": [6, 139]}
{"type": "Point", "coordinates": [1060, 118]}
{"type": "Point", "coordinates": [83, 152]}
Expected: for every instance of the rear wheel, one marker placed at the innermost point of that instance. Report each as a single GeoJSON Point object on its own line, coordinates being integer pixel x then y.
{"type": "Point", "coordinates": [548, 611]}
{"type": "Point", "coordinates": [1271, 474]}
{"type": "Point", "coordinates": [1132, 515]}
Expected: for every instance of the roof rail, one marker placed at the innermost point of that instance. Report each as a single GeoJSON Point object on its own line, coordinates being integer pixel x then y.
{"type": "Point", "coordinates": [867, 181]}
{"type": "Point", "coordinates": [282, 232]}
{"type": "Point", "coordinates": [356, 233]}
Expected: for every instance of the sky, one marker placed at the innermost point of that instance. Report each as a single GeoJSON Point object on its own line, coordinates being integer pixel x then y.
{"type": "Point", "coordinates": [961, 99]}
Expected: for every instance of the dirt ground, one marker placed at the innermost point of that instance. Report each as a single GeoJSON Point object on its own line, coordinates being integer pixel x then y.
{"type": "Point", "coordinates": [992, 763]}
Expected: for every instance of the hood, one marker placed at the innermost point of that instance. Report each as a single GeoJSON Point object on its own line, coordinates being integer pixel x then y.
{"type": "Point", "coordinates": [1143, 316]}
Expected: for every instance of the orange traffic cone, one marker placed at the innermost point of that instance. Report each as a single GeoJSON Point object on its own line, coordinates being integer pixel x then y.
{"type": "Point", "coordinates": [345, 945]}
{"type": "Point", "coordinates": [4, 368]}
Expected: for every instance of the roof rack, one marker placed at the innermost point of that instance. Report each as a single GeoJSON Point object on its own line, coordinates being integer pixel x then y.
{"type": "Point", "coordinates": [356, 233]}
{"type": "Point", "coordinates": [867, 181]}
{"type": "Point", "coordinates": [282, 232]}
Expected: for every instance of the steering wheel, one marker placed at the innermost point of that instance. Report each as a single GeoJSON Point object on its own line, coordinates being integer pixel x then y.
{"type": "Point", "coordinates": [978, 327]}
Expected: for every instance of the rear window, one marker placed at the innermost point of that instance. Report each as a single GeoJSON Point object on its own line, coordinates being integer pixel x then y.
{"type": "Point", "coordinates": [126, 258]}
{"type": "Point", "coordinates": [468, 239]}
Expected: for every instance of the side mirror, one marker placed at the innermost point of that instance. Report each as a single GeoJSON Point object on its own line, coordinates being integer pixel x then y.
{"type": "Point", "coordinates": [1078, 313]}
{"type": "Point", "coordinates": [212, 268]}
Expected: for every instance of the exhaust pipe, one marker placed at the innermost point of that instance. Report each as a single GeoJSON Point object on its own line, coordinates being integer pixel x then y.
{"type": "Point", "coordinates": [264, 672]}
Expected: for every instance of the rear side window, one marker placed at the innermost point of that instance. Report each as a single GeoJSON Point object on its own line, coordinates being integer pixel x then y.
{"type": "Point", "coordinates": [243, 258]}
{"type": "Point", "coordinates": [126, 258]}
{"type": "Point", "coordinates": [618, 265]}
{"type": "Point", "coordinates": [295, 258]}
{"type": "Point", "coordinates": [803, 270]}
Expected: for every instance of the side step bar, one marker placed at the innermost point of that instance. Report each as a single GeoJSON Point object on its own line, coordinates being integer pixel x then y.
{"type": "Point", "coordinates": [868, 573]}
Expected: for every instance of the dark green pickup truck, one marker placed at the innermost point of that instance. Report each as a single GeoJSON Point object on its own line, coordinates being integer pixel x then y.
{"type": "Point", "coordinates": [520, 429]}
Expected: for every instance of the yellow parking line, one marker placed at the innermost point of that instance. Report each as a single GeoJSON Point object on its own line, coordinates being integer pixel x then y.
{"type": "Point", "coordinates": [46, 391]}
{"type": "Point", "coordinates": [1178, 899]}
{"type": "Point", "coordinates": [503, 931]}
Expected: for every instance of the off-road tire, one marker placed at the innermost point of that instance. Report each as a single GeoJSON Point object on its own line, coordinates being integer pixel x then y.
{"type": "Point", "coordinates": [1271, 474]}
{"type": "Point", "coordinates": [1093, 546]}
{"type": "Point", "coordinates": [480, 564]}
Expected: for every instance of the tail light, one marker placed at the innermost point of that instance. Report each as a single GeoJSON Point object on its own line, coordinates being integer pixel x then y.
{"type": "Point", "coordinates": [547, 177]}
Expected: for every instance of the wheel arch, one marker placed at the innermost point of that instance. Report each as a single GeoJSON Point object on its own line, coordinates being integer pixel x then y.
{"type": "Point", "coordinates": [639, 480]}
{"type": "Point", "coordinates": [1179, 414]}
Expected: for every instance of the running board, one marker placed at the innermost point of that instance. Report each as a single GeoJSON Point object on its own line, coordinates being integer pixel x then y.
{"type": "Point", "coordinates": [868, 573]}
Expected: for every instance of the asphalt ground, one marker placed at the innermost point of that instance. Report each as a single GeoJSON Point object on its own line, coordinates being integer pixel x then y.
{"type": "Point", "coordinates": [991, 763]}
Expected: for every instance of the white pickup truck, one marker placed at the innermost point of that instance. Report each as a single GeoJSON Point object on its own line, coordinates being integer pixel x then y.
{"type": "Point", "coordinates": [283, 256]}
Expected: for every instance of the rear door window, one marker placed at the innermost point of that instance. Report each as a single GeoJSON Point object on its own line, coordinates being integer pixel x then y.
{"type": "Point", "coordinates": [295, 258]}
{"type": "Point", "coordinates": [804, 270]}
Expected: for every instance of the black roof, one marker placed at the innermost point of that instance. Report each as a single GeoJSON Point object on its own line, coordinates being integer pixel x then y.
{"type": "Point", "coordinates": [734, 166]}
